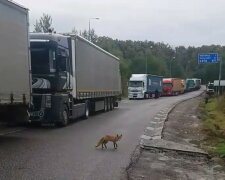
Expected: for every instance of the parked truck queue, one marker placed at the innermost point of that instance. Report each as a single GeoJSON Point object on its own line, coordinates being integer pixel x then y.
{"type": "Point", "coordinates": [52, 78]}
{"type": "Point", "coordinates": [145, 86]}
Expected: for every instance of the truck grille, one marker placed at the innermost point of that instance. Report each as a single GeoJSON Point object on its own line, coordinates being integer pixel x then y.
{"type": "Point", "coordinates": [135, 90]}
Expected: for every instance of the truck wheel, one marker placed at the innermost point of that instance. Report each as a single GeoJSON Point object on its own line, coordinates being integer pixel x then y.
{"type": "Point", "coordinates": [145, 96]}
{"type": "Point", "coordinates": [105, 105]}
{"type": "Point", "coordinates": [64, 119]}
{"type": "Point", "coordinates": [108, 104]}
{"type": "Point", "coordinates": [111, 104]}
{"type": "Point", "coordinates": [87, 111]}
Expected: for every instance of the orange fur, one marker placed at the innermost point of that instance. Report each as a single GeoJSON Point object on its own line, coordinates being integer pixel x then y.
{"type": "Point", "coordinates": [104, 140]}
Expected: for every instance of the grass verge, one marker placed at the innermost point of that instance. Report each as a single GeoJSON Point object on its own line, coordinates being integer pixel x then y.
{"type": "Point", "coordinates": [213, 124]}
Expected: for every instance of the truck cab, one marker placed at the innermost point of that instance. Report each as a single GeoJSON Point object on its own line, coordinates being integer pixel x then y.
{"type": "Point", "coordinates": [137, 86]}
{"type": "Point", "coordinates": [167, 87]}
{"type": "Point", "coordinates": [51, 75]}
{"type": "Point", "coordinates": [210, 89]}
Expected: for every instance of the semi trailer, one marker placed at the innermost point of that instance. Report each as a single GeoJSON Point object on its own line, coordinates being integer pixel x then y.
{"type": "Point", "coordinates": [173, 86]}
{"type": "Point", "coordinates": [143, 86]}
{"type": "Point", "coordinates": [15, 77]}
{"type": "Point", "coordinates": [71, 78]}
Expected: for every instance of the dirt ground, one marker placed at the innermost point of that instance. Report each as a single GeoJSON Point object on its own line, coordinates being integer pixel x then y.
{"type": "Point", "coordinates": [184, 127]}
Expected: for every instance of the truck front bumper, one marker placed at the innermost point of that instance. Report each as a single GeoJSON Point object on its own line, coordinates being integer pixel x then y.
{"type": "Point", "coordinates": [135, 95]}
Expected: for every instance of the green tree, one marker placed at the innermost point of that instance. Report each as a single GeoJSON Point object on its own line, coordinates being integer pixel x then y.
{"type": "Point", "coordinates": [44, 24]}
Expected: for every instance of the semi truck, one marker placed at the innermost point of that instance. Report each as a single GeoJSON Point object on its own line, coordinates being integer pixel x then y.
{"type": "Point", "coordinates": [197, 83]}
{"type": "Point", "coordinates": [15, 77]}
{"type": "Point", "coordinates": [173, 86]}
{"type": "Point", "coordinates": [210, 88]}
{"type": "Point", "coordinates": [190, 85]}
{"type": "Point", "coordinates": [71, 78]}
{"type": "Point", "coordinates": [144, 86]}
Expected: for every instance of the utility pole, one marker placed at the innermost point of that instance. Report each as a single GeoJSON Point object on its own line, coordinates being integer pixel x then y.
{"type": "Point", "coordinates": [146, 61]}
{"type": "Point", "coordinates": [220, 69]}
{"type": "Point", "coordinates": [89, 28]}
{"type": "Point", "coordinates": [146, 64]}
{"type": "Point", "coordinates": [171, 66]}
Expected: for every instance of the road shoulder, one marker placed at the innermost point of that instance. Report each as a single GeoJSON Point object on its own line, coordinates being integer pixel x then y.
{"type": "Point", "coordinates": [177, 155]}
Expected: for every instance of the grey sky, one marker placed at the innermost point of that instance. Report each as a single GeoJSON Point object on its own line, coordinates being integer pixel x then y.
{"type": "Point", "coordinates": [176, 22]}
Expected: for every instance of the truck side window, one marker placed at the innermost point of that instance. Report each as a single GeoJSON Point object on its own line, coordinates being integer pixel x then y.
{"type": "Point", "coordinates": [62, 60]}
{"type": "Point", "coordinates": [52, 59]}
{"type": "Point", "coordinates": [63, 63]}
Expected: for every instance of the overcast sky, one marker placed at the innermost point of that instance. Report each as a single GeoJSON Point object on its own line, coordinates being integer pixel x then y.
{"type": "Point", "coordinates": [176, 22]}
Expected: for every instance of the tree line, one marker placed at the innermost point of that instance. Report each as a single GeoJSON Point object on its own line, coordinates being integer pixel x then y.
{"type": "Point", "coordinates": [156, 58]}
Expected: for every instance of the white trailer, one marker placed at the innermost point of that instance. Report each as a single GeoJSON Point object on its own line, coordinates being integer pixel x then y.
{"type": "Point", "coordinates": [15, 79]}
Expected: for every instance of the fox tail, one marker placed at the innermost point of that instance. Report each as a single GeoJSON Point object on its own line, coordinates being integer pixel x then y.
{"type": "Point", "coordinates": [100, 142]}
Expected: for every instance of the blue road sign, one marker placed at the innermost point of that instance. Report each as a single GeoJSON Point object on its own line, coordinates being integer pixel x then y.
{"type": "Point", "coordinates": [208, 58]}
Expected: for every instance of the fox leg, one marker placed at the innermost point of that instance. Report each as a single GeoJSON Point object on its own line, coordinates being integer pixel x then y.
{"type": "Point", "coordinates": [115, 145]}
{"type": "Point", "coordinates": [102, 146]}
{"type": "Point", "coordinates": [105, 145]}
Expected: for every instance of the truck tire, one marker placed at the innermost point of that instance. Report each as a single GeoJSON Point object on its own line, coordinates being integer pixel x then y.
{"type": "Point", "coordinates": [112, 103]}
{"type": "Point", "coordinates": [108, 104]}
{"type": "Point", "coordinates": [64, 119]}
{"type": "Point", "coordinates": [105, 105]}
{"type": "Point", "coordinates": [145, 96]}
{"type": "Point", "coordinates": [111, 107]}
{"type": "Point", "coordinates": [87, 110]}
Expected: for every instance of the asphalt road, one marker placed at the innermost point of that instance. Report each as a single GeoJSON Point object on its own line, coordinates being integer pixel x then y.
{"type": "Point", "coordinates": [70, 153]}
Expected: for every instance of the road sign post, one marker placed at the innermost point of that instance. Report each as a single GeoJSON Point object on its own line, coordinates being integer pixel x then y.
{"type": "Point", "coordinates": [210, 58]}
{"type": "Point", "coordinates": [220, 76]}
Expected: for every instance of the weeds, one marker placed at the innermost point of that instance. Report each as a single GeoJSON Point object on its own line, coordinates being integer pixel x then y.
{"type": "Point", "coordinates": [213, 122]}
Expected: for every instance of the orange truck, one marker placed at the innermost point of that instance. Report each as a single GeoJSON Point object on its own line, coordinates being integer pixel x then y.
{"type": "Point", "coordinates": [173, 86]}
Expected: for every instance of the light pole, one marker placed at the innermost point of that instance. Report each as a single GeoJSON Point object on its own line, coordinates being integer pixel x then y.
{"type": "Point", "coordinates": [89, 27]}
{"type": "Point", "coordinates": [171, 66]}
{"type": "Point", "coordinates": [146, 62]}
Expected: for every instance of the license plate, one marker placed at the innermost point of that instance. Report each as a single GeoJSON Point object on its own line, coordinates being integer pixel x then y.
{"type": "Point", "coordinates": [37, 113]}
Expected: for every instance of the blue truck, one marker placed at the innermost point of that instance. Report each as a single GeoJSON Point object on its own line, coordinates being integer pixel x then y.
{"type": "Point", "coordinates": [144, 86]}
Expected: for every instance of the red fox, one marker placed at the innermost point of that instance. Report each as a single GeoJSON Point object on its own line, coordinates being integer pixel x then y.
{"type": "Point", "coordinates": [104, 140]}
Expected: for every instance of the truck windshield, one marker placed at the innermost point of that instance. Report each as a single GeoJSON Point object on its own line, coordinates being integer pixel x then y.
{"type": "Point", "coordinates": [210, 86]}
{"type": "Point", "coordinates": [42, 58]}
{"type": "Point", "coordinates": [135, 84]}
{"type": "Point", "coordinates": [167, 85]}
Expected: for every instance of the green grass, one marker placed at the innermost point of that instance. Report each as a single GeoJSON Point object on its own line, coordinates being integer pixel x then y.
{"type": "Point", "coordinates": [220, 149]}
{"type": "Point", "coordinates": [213, 123]}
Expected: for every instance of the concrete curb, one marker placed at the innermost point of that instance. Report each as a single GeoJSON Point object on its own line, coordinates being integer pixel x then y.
{"type": "Point", "coordinates": [153, 134]}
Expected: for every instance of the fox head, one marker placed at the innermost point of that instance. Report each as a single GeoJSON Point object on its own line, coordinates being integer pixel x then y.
{"type": "Point", "coordinates": [118, 136]}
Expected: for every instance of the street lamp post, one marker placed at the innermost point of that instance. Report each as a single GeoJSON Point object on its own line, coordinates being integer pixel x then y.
{"type": "Point", "coordinates": [146, 62]}
{"type": "Point", "coordinates": [171, 66]}
{"type": "Point", "coordinates": [89, 27]}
